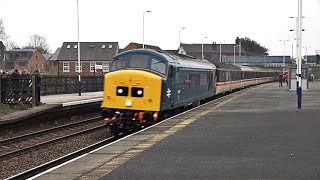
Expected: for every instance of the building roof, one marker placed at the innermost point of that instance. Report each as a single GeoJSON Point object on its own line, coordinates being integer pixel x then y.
{"type": "Point", "coordinates": [47, 56]}
{"type": "Point", "coordinates": [23, 50]}
{"type": "Point", "coordinates": [133, 45]}
{"type": "Point", "coordinates": [89, 51]}
{"type": "Point", "coordinates": [54, 56]}
{"type": "Point", "coordinates": [19, 54]}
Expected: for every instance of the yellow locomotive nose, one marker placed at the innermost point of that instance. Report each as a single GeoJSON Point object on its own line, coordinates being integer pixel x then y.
{"type": "Point", "coordinates": [132, 90]}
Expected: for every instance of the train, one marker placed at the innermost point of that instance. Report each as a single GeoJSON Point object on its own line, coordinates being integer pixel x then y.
{"type": "Point", "coordinates": [145, 86]}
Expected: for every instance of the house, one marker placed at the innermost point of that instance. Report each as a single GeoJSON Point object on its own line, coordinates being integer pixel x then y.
{"type": "Point", "coordinates": [139, 46]}
{"type": "Point", "coordinates": [91, 54]}
{"type": "Point", "coordinates": [2, 48]}
{"type": "Point", "coordinates": [53, 63]}
{"type": "Point", "coordinates": [24, 59]}
{"type": "Point", "coordinates": [211, 52]}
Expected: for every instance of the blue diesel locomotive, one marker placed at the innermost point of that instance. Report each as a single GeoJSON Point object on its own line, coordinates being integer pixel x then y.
{"type": "Point", "coordinates": [145, 85]}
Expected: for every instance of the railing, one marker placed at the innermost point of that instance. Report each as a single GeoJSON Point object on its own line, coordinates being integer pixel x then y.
{"type": "Point", "coordinates": [24, 88]}
{"type": "Point", "coordinates": [69, 84]}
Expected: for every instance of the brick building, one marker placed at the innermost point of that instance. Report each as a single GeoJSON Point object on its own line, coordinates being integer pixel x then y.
{"type": "Point", "coordinates": [24, 59]}
{"type": "Point", "coordinates": [139, 46]}
{"type": "Point", "coordinates": [91, 54]}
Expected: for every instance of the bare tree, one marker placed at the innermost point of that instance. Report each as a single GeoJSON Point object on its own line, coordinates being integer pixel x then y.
{"type": "Point", "coordinates": [3, 34]}
{"type": "Point", "coordinates": [6, 38]}
{"type": "Point", "coordinates": [38, 42]}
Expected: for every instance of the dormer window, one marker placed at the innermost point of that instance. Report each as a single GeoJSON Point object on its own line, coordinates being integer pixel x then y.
{"type": "Point", "coordinates": [68, 46]}
{"type": "Point", "coordinates": [110, 46]}
{"type": "Point", "coordinates": [91, 46]}
{"type": "Point", "coordinates": [103, 46]}
{"type": "Point", "coordinates": [75, 46]}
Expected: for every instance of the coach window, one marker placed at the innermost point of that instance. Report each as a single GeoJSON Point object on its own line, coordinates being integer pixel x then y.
{"type": "Point", "coordinates": [118, 63]}
{"type": "Point", "coordinates": [158, 65]}
{"type": "Point", "coordinates": [138, 61]}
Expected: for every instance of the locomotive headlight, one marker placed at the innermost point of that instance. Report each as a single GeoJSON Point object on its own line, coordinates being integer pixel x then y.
{"type": "Point", "coordinates": [128, 103]}
{"type": "Point", "coordinates": [139, 92]}
{"type": "Point", "coordinates": [120, 91]}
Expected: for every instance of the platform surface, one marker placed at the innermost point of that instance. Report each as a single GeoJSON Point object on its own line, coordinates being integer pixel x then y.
{"type": "Point", "coordinates": [259, 134]}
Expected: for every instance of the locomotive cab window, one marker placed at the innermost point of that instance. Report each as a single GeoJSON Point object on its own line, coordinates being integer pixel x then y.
{"type": "Point", "coordinates": [119, 63]}
{"type": "Point", "coordinates": [158, 65]}
{"type": "Point", "coordinates": [138, 61]}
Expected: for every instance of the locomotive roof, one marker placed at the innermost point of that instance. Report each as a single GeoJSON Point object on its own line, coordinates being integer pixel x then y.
{"type": "Point", "coordinates": [177, 59]}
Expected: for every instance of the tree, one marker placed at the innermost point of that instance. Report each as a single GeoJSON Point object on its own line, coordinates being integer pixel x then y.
{"type": "Point", "coordinates": [253, 48]}
{"type": "Point", "coordinates": [6, 38]}
{"type": "Point", "coordinates": [38, 42]}
{"type": "Point", "coordinates": [3, 34]}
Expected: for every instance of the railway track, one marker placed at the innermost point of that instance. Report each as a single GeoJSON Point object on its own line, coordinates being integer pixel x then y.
{"type": "Point", "coordinates": [39, 169]}
{"type": "Point", "coordinates": [23, 144]}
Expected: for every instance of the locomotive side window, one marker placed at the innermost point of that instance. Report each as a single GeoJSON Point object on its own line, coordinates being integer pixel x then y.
{"type": "Point", "coordinates": [158, 65]}
{"type": "Point", "coordinates": [119, 63]}
{"type": "Point", "coordinates": [122, 91]}
{"type": "Point", "coordinates": [138, 61]}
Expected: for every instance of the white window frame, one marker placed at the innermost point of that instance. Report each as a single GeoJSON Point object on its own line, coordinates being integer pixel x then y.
{"type": "Point", "coordinates": [92, 66]}
{"type": "Point", "coordinates": [105, 67]}
{"type": "Point", "coordinates": [65, 67]}
{"type": "Point", "coordinates": [76, 67]}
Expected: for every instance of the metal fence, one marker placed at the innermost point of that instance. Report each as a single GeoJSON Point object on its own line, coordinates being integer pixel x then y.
{"type": "Point", "coordinates": [17, 89]}
{"type": "Point", "coordinates": [69, 84]}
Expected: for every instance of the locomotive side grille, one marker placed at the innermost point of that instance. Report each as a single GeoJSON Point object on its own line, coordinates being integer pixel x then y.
{"type": "Point", "coordinates": [122, 91]}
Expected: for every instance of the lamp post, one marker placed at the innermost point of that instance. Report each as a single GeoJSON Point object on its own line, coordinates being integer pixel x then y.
{"type": "Point", "coordinates": [179, 34]}
{"type": "Point", "coordinates": [234, 53]}
{"type": "Point", "coordinates": [299, 38]}
{"type": "Point", "coordinates": [202, 47]}
{"type": "Point", "coordinates": [220, 56]}
{"type": "Point", "coordinates": [143, 27]}
{"type": "Point", "coordinates": [79, 83]}
{"type": "Point", "coordinates": [284, 55]}
{"type": "Point", "coordinates": [306, 53]}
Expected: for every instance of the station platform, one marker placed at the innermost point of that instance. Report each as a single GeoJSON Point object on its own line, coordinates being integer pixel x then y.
{"type": "Point", "coordinates": [52, 102]}
{"type": "Point", "coordinates": [257, 133]}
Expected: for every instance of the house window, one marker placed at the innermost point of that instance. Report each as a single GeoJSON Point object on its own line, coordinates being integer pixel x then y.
{"type": "Point", "coordinates": [75, 46]}
{"type": "Point", "coordinates": [103, 46]}
{"type": "Point", "coordinates": [105, 67]}
{"type": "Point", "coordinates": [77, 67]}
{"type": "Point", "coordinates": [68, 46]}
{"type": "Point", "coordinates": [92, 66]}
{"type": "Point", "coordinates": [66, 67]}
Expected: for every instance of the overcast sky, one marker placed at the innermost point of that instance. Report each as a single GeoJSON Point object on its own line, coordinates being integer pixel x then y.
{"type": "Point", "coordinates": [265, 21]}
